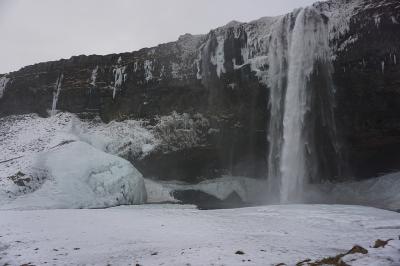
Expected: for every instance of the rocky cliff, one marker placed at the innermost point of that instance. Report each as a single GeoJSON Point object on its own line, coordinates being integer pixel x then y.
{"type": "Point", "coordinates": [220, 82]}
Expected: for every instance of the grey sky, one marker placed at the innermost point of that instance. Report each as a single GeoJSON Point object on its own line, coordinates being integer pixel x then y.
{"type": "Point", "coordinates": [33, 31]}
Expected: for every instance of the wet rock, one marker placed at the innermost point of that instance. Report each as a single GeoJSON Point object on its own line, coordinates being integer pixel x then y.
{"type": "Point", "coordinates": [381, 243]}
{"type": "Point", "coordinates": [206, 201]}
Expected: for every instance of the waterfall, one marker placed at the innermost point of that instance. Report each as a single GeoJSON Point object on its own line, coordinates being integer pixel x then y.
{"type": "Point", "coordinates": [299, 42]}
{"type": "Point", "coordinates": [56, 93]}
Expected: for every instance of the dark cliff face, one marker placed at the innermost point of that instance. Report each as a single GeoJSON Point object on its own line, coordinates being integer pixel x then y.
{"type": "Point", "coordinates": [181, 76]}
{"type": "Point", "coordinates": [222, 76]}
{"type": "Point", "coordinates": [367, 80]}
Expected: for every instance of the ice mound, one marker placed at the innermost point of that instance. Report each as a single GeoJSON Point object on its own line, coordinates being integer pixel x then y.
{"type": "Point", "coordinates": [77, 175]}
{"type": "Point", "coordinates": [379, 192]}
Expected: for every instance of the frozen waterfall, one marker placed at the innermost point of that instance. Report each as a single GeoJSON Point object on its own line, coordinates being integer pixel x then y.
{"type": "Point", "coordinates": [299, 42]}
{"type": "Point", "coordinates": [56, 93]}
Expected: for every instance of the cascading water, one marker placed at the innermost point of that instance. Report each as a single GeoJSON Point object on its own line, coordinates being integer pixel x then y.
{"type": "Point", "coordinates": [299, 42]}
{"type": "Point", "coordinates": [56, 93]}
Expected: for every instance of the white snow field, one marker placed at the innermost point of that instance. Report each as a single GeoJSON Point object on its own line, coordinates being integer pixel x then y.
{"type": "Point", "coordinates": [181, 235]}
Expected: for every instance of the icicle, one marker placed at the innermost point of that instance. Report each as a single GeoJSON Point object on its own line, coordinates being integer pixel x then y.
{"type": "Point", "coordinates": [94, 76]}
{"type": "Point", "coordinates": [377, 19]}
{"type": "Point", "coordinates": [148, 68]}
{"type": "Point", "coordinates": [3, 83]}
{"type": "Point", "coordinates": [56, 93]}
{"type": "Point", "coordinates": [119, 78]}
{"type": "Point", "coordinates": [218, 59]}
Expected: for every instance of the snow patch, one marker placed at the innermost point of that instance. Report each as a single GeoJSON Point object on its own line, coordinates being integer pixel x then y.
{"type": "Point", "coordinates": [383, 256]}
{"type": "Point", "coordinates": [180, 131]}
{"type": "Point", "coordinates": [128, 138]}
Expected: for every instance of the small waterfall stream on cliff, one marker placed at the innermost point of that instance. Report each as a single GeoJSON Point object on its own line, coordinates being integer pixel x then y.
{"type": "Point", "coordinates": [298, 42]}
{"type": "Point", "coordinates": [56, 93]}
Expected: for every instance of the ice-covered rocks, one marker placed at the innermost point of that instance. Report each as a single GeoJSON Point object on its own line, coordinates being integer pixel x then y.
{"type": "Point", "coordinates": [81, 176]}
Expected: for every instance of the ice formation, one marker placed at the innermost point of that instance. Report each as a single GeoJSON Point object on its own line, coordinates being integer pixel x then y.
{"type": "Point", "coordinates": [119, 78]}
{"type": "Point", "coordinates": [81, 176]}
{"type": "Point", "coordinates": [56, 93]}
{"type": "Point", "coordinates": [25, 137]}
{"type": "Point", "coordinates": [94, 76]}
{"type": "Point", "coordinates": [3, 83]}
{"type": "Point", "coordinates": [218, 59]}
{"type": "Point", "coordinates": [148, 68]}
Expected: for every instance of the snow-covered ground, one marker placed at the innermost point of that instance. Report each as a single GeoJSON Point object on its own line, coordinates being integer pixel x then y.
{"type": "Point", "coordinates": [182, 235]}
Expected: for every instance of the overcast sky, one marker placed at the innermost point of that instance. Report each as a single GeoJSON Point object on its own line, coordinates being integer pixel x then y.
{"type": "Point", "coordinates": [33, 31]}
